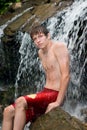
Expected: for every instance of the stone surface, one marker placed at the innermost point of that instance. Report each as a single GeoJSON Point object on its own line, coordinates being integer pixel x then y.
{"type": "Point", "coordinates": [38, 13]}
{"type": "Point", "coordinates": [57, 119]}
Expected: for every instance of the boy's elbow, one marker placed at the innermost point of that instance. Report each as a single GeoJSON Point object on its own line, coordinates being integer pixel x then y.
{"type": "Point", "coordinates": [67, 77]}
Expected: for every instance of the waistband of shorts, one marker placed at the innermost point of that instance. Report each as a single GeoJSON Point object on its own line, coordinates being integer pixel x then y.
{"type": "Point", "coordinates": [47, 89]}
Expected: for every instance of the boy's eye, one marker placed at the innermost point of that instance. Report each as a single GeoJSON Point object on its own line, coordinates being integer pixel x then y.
{"type": "Point", "coordinates": [34, 39]}
{"type": "Point", "coordinates": [40, 35]}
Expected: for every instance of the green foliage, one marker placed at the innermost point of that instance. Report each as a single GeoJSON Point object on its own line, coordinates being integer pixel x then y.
{"type": "Point", "coordinates": [7, 97]}
{"type": "Point", "coordinates": [17, 0]}
{"type": "Point", "coordinates": [4, 4]}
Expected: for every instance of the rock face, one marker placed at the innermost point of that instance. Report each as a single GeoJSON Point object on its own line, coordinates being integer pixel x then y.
{"type": "Point", "coordinates": [57, 119]}
{"type": "Point", "coordinates": [39, 12]}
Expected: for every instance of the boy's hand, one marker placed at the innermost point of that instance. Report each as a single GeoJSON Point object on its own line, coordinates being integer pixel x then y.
{"type": "Point", "coordinates": [51, 106]}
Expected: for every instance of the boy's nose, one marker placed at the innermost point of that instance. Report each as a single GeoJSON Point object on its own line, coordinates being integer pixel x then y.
{"type": "Point", "coordinates": [38, 40]}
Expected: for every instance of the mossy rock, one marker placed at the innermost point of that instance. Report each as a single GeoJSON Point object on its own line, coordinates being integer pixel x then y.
{"type": "Point", "coordinates": [57, 119]}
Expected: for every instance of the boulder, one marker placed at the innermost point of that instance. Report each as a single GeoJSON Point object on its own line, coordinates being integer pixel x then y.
{"type": "Point", "coordinates": [36, 13]}
{"type": "Point", "coordinates": [57, 119]}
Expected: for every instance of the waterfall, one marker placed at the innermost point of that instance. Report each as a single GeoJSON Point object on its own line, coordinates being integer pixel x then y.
{"type": "Point", "coordinates": [70, 27]}
{"type": "Point", "coordinates": [30, 69]}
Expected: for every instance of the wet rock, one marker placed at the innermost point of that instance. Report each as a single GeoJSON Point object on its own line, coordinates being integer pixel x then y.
{"type": "Point", "coordinates": [57, 119]}
{"type": "Point", "coordinates": [15, 6]}
{"type": "Point", "coordinates": [36, 13]}
{"type": "Point", "coordinates": [84, 114]}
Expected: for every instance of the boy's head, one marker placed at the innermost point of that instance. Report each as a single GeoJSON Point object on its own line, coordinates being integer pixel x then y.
{"type": "Point", "coordinates": [39, 29]}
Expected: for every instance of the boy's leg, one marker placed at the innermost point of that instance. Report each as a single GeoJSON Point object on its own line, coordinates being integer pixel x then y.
{"type": "Point", "coordinates": [8, 117]}
{"type": "Point", "coordinates": [14, 117]}
{"type": "Point", "coordinates": [20, 114]}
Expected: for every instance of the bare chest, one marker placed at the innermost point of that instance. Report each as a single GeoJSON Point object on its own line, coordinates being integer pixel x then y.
{"type": "Point", "coordinates": [49, 62]}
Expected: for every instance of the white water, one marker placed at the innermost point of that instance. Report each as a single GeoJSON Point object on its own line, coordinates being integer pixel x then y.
{"type": "Point", "coordinates": [70, 14]}
{"type": "Point", "coordinates": [67, 22]}
{"type": "Point", "coordinates": [60, 27]}
{"type": "Point", "coordinates": [28, 53]}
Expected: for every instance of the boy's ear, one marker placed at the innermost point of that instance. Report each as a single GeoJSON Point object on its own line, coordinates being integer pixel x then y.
{"type": "Point", "coordinates": [48, 35]}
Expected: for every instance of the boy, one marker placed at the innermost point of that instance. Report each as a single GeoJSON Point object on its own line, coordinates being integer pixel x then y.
{"type": "Point", "coordinates": [55, 60]}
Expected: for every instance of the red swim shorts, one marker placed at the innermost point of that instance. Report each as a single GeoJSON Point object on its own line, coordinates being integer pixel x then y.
{"type": "Point", "coordinates": [37, 106]}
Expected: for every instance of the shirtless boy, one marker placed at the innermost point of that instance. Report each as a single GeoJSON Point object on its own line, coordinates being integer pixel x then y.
{"type": "Point", "coordinates": [55, 60]}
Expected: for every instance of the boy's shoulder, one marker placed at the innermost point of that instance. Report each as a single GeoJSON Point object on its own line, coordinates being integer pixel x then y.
{"type": "Point", "coordinates": [58, 44]}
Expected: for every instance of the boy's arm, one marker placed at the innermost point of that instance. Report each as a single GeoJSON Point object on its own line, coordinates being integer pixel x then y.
{"type": "Point", "coordinates": [62, 55]}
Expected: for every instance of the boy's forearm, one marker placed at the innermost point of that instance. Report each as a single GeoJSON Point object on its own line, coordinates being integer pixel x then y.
{"type": "Point", "coordinates": [62, 91]}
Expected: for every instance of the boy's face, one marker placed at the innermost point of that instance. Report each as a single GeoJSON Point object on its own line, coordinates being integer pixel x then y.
{"type": "Point", "coordinates": [40, 40]}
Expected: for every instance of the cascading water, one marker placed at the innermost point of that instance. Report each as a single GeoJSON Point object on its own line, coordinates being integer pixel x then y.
{"type": "Point", "coordinates": [29, 70]}
{"type": "Point", "coordinates": [6, 73]}
{"type": "Point", "coordinates": [68, 26]}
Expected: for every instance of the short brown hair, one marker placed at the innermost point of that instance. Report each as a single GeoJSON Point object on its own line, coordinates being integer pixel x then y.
{"type": "Point", "coordinates": [38, 29]}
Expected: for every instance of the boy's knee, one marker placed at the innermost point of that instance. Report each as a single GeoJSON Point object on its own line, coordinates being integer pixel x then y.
{"type": "Point", "coordinates": [9, 111]}
{"type": "Point", "coordinates": [21, 103]}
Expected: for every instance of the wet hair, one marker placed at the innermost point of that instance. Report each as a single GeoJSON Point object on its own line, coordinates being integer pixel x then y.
{"type": "Point", "coordinates": [38, 29]}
